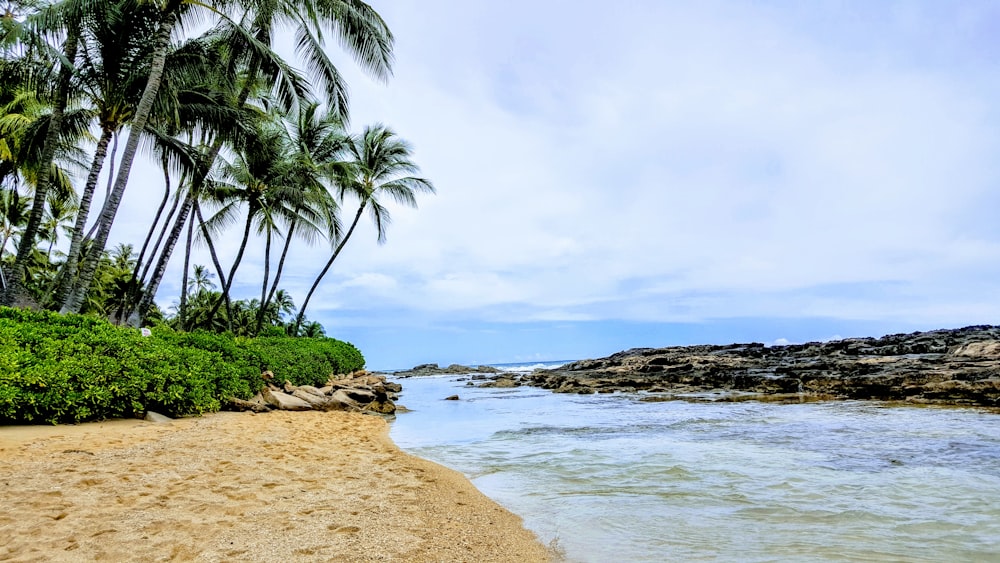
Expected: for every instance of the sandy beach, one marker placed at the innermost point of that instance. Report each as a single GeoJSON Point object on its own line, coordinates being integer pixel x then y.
{"type": "Point", "coordinates": [278, 486]}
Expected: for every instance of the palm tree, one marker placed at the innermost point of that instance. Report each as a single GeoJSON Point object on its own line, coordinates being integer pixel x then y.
{"type": "Point", "coordinates": [261, 178]}
{"type": "Point", "coordinates": [380, 166]}
{"type": "Point", "coordinates": [319, 142]}
{"type": "Point", "coordinates": [112, 67]}
{"type": "Point", "coordinates": [362, 32]}
{"type": "Point", "coordinates": [201, 280]}
{"type": "Point", "coordinates": [56, 17]}
{"type": "Point", "coordinates": [312, 330]}
{"type": "Point", "coordinates": [13, 215]}
{"type": "Point", "coordinates": [57, 216]}
{"type": "Point", "coordinates": [115, 67]}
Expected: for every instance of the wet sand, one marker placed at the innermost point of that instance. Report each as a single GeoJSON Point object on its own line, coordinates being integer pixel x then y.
{"type": "Point", "coordinates": [278, 486]}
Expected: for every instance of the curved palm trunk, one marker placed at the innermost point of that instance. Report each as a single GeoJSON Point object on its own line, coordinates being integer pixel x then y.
{"type": "Point", "coordinates": [302, 312]}
{"type": "Point", "coordinates": [86, 199]}
{"type": "Point", "coordinates": [156, 221]}
{"type": "Point", "coordinates": [214, 254]}
{"type": "Point", "coordinates": [161, 266]}
{"type": "Point", "coordinates": [232, 271]}
{"type": "Point", "coordinates": [263, 286]}
{"type": "Point", "coordinates": [15, 284]}
{"type": "Point", "coordinates": [146, 302]}
{"type": "Point", "coordinates": [138, 281]}
{"type": "Point", "coordinates": [143, 109]}
{"type": "Point", "coordinates": [211, 249]}
{"type": "Point", "coordinates": [107, 190]}
{"type": "Point", "coordinates": [281, 264]}
{"type": "Point", "coordinates": [182, 311]}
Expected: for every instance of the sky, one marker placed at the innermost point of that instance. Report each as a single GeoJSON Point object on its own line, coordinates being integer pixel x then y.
{"type": "Point", "coordinates": [655, 173]}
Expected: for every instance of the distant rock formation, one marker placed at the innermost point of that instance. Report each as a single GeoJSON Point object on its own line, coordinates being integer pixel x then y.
{"type": "Point", "coordinates": [948, 367]}
{"type": "Point", "coordinates": [434, 369]}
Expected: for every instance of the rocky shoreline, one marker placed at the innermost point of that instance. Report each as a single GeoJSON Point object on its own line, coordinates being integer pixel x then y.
{"type": "Point", "coordinates": [941, 367]}
{"type": "Point", "coordinates": [355, 392]}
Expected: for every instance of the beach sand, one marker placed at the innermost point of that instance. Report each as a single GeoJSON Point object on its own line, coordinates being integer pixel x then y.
{"type": "Point", "coordinates": [279, 486]}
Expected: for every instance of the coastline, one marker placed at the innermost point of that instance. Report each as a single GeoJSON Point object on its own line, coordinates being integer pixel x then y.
{"type": "Point", "coordinates": [276, 486]}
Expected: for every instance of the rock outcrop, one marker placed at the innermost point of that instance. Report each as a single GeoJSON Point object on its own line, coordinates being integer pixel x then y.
{"type": "Point", "coordinates": [954, 367]}
{"type": "Point", "coordinates": [453, 369]}
{"type": "Point", "coordinates": [359, 391]}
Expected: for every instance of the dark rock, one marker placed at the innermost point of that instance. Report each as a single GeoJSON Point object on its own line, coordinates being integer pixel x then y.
{"type": "Point", "coordinates": [453, 369]}
{"type": "Point", "coordinates": [451, 398]}
{"type": "Point", "coordinates": [360, 395]}
{"type": "Point", "coordinates": [501, 382]}
{"type": "Point", "coordinates": [958, 367]}
{"type": "Point", "coordinates": [384, 406]}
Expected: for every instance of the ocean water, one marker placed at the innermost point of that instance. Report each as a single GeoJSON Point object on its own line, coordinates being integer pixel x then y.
{"type": "Point", "coordinates": [613, 478]}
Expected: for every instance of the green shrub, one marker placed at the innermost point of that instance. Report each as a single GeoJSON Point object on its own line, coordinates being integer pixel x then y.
{"type": "Point", "coordinates": [307, 361]}
{"type": "Point", "coordinates": [72, 368]}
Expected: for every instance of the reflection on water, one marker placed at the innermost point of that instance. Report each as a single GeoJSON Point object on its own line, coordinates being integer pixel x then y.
{"type": "Point", "coordinates": [610, 477]}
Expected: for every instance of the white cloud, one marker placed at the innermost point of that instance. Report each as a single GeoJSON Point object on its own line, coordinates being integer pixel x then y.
{"type": "Point", "coordinates": [669, 161]}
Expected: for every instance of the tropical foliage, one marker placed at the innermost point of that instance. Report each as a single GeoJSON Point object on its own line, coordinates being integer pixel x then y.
{"type": "Point", "coordinates": [253, 147]}
{"type": "Point", "coordinates": [73, 368]}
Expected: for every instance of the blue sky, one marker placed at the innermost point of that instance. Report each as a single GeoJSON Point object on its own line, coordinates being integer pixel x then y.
{"type": "Point", "coordinates": [651, 173]}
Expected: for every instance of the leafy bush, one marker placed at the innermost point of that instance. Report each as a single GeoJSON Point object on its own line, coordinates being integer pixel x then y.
{"type": "Point", "coordinates": [72, 368]}
{"type": "Point", "coordinates": [307, 361]}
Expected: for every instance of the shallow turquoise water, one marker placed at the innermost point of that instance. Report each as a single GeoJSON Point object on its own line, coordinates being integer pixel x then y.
{"type": "Point", "coordinates": [610, 478]}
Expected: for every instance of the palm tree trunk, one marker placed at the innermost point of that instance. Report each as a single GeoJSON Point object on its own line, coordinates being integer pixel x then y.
{"type": "Point", "coordinates": [111, 178]}
{"type": "Point", "coordinates": [232, 272]}
{"type": "Point", "coordinates": [159, 239]}
{"type": "Point", "coordinates": [182, 311]}
{"type": "Point", "coordinates": [147, 299]}
{"type": "Point", "coordinates": [76, 242]}
{"type": "Point", "coordinates": [156, 221]}
{"type": "Point", "coordinates": [215, 256]}
{"type": "Point", "coordinates": [143, 109]}
{"type": "Point", "coordinates": [15, 285]}
{"type": "Point", "coordinates": [146, 302]}
{"type": "Point", "coordinates": [281, 262]}
{"type": "Point", "coordinates": [302, 312]}
{"type": "Point", "coordinates": [263, 286]}
{"type": "Point", "coordinates": [138, 281]}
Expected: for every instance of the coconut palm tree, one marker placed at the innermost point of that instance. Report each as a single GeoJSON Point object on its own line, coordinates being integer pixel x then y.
{"type": "Point", "coordinates": [319, 144]}
{"type": "Point", "coordinates": [261, 178]}
{"type": "Point", "coordinates": [58, 215]}
{"type": "Point", "coordinates": [312, 330]}
{"type": "Point", "coordinates": [113, 73]}
{"type": "Point", "coordinates": [201, 280]}
{"type": "Point", "coordinates": [58, 17]}
{"type": "Point", "coordinates": [380, 166]}
{"type": "Point", "coordinates": [362, 33]}
{"type": "Point", "coordinates": [110, 76]}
